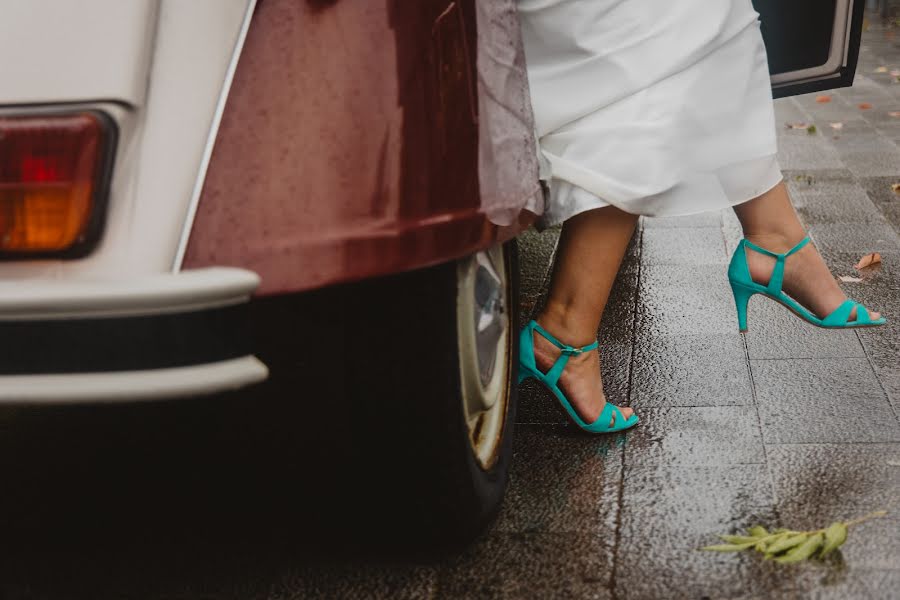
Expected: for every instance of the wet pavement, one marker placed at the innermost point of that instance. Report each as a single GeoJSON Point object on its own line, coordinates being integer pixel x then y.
{"type": "Point", "coordinates": [787, 426]}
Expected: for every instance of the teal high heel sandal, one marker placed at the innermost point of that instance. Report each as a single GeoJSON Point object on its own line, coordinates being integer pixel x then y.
{"type": "Point", "coordinates": [743, 287]}
{"type": "Point", "coordinates": [550, 379]}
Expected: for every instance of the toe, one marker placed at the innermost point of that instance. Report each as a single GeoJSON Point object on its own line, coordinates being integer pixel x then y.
{"type": "Point", "coordinates": [873, 315]}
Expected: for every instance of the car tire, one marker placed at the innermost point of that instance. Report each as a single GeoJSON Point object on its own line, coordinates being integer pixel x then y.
{"type": "Point", "coordinates": [433, 405]}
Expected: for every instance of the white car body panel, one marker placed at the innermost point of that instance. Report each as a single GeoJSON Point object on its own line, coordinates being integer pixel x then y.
{"type": "Point", "coordinates": [73, 51]}
{"type": "Point", "coordinates": [182, 52]}
{"type": "Point", "coordinates": [132, 386]}
{"type": "Point", "coordinates": [161, 69]}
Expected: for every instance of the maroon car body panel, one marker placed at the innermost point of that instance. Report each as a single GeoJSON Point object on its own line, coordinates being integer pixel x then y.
{"type": "Point", "coordinates": [350, 143]}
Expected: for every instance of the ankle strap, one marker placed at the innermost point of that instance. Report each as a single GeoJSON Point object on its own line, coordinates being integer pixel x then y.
{"type": "Point", "coordinates": [777, 279]}
{"type": "Point", "coordinates": [793, 250]}
{"type": "Point", "coordinates": [566, 349]}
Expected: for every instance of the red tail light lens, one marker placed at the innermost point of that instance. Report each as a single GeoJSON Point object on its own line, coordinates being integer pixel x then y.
{"type": "Point", "coordinates": [53, 178]}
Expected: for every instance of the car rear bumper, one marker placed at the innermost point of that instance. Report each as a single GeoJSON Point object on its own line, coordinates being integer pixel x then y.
{"type": "Point", "coordinates": [147, 338]}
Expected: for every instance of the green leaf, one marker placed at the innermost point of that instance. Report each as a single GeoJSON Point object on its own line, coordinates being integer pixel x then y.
{"type": "Point", "coordinates": [737, 539]}
{"type": "Point", "coordinates": [758, 531]}
{"type": "Point", "coordinates": [729, 547]}
{"type": "Point", "coordinates": [811, 130]}
{"type": "Point", "coordinates": [835, 536]}
{"type": "Point", "coordinates": [804, 550]}
{"type": "Point", "coordinates": [786, 543]}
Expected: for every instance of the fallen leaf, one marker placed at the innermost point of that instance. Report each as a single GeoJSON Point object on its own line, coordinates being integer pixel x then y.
{"type": "Point", "coordinates": [864, 106]}
{"type": "Point", "coordinates": [893, 463]}
{"type": "Point", "coordinates": [849, 279]}
{"type": "Point", "coordinates": [823, 99]}
{"type": "Point", "coordinates": [896, 188]}
{"type": "Point", "coordinates": [797, 125]}
{"type": "Point", "coordinates": [881, 70]}
{"type": "Point", "coordinates": [895, 73]}
{"type": "Point", "coordinates": [868, 260]}
{"type": "Point", "coordinates": [894, 113]}
{"type": "Point", "coordinates": [835, 536]}
{"type": "Point", "coordinates": [811, 130]}
{"type": "Point", "coordinates": [837, 125]}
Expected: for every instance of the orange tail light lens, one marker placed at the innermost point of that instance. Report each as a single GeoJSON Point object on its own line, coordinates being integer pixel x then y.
{"type": "Point", "coordinates": [53, 178]}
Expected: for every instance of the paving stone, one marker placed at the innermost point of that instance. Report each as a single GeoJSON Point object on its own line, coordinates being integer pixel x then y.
{"type": "Point", "coordinates": [563, 482]}
{"type": "Point", "coordinates": [838, 109]}
{"type": "Point", "coordinates": [523, 566]}
{"type": "Point", "coordinates": [706, 219]}
{"type": "Point", "coordinates": [797, 150]}
{"type": "Point", "coordinates": [816, 485]}
{"type": "Point", "coordinates": [731, 231]}
{"type": "Point", "coordinates": [775, 332]}
{"type": "Point", "coordinates": [617, 325]}
{"type": "Point", "coordinates": [872, 88]}
{"type": "Point", "coordinates": [674, 299]}
{"type": "Point", "coordinates": [887, 201]}
{"type": "Point", "coordinates": [866, 152]}
{"type": "Point", "coordinates": [828, 197]}
{"type": "Point", "coordinates": [669, 512]}
{"type": "Point", "coordinates": [880, 191]}
{"type": "Point", "coordinates": [788, 111]}
{"type": "Point", "coordinates": [354, 580]}
{"type": "Point", "coordinates": [690, 370]}
{"type": "Point", "coordinates": [833, 581]}
{"type": "Point", "coordinates": [891, 384]}
{"type": "Point", "coordinates": [684, 246]}
{"type": "Point", "coordinates": [882, 345]}
{"type": "Point", "coordinates": [822, 400]}
{"type": "Point", "coordinates": [535, 259]}
{"type": "Point", "coordinates": [855, 237]}
{"type": "Point", "coordinates": [710, 436]}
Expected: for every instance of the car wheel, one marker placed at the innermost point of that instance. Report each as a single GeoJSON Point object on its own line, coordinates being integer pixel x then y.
{"type": "Point", "coordinates": [434, 398]}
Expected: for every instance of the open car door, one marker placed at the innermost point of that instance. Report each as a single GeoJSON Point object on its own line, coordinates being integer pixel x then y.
{"type": "Point", "coordinates": [813, 45]}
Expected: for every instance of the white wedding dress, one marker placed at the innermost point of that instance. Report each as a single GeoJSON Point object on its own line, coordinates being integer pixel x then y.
{"type": "Point", "coordinates": [658, 107]}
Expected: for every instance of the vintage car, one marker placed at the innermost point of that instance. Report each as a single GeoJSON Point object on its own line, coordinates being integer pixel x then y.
{"type": "Point", "coordinates": [169, 169]}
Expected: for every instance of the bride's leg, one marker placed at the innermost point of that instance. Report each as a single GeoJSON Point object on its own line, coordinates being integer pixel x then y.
{"type": "Point", "coordinates": [770, 221]}
{"type": "Point", "coordinates": [588, 257]}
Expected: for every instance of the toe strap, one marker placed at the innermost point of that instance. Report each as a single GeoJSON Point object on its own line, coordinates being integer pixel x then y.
{"type": "Point", "coordinates": [862, 315]}
{"type": "Point", "coordinates": [841, 315]}
{"type": "Point", "coordinates": [607, 413]}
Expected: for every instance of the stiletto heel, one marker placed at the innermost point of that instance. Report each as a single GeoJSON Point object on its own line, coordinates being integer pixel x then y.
{"type": "Point", "coordinates": [744, 287]}
{"type": "Point", "coordinates": [550, 379]}
{"type": "Point", "coordinates": [742, 297]}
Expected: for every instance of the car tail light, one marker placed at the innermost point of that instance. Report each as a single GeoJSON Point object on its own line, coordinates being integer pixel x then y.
{"type": "Point", "coordinates": [54, 172]}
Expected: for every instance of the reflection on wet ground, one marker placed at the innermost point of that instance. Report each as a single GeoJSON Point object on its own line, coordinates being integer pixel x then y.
{"type": "Point", "coordinates": [254, 497]}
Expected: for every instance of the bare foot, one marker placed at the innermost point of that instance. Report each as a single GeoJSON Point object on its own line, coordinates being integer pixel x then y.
{"type": "Point", "coordinates": [580, 381]}
{"type": "Point", "coordinates": [806, 276]}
